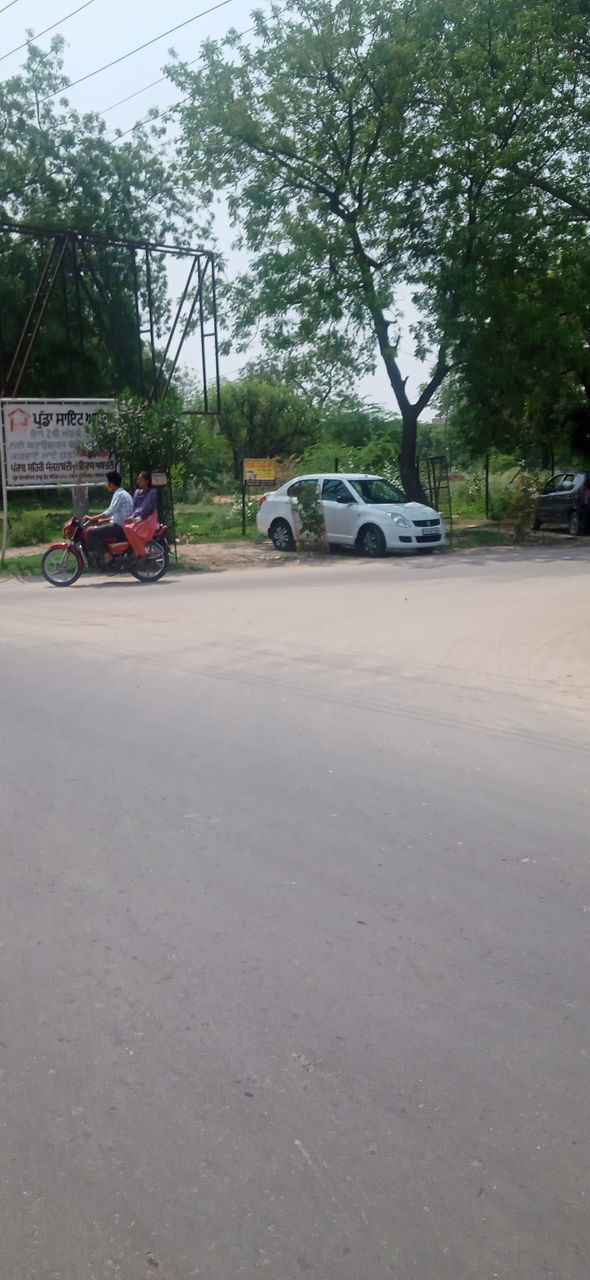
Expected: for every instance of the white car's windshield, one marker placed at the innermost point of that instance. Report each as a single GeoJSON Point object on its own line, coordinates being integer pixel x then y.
{"type": "Point", "coordinates": [375, 491]}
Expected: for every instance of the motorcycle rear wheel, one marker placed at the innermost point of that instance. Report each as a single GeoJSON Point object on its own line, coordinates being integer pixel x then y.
{"type": "Point", "coordinates": [152, 566]}
{"type": "Point", "coordinates": [60, 566]}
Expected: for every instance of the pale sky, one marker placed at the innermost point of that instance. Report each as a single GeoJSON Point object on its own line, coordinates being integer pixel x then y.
{"type": "Point", "coordinates": [107, 29]}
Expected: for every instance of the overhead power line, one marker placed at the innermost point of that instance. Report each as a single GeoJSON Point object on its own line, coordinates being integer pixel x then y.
{"type": "Point", "coordinates": [8, 6]}
{"type": "Point", "coordinates": [26, 43]}
{"type": "Point", "coordinates": [160, 80]}
{"type": "Point", "coordinates": [164, 115]}
{"type": "Point", "coordinates": [135, 94]}
{"type": "Point", "coordinates": [161, 116]}
{"type": "Point", "coordinates": [123, 58]}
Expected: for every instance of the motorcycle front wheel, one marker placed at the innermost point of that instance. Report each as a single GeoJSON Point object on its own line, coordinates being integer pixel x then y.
{"type": "Point", "coordinates": [152, 566]}
{"type": "Point", "coordinates": [60, 566]}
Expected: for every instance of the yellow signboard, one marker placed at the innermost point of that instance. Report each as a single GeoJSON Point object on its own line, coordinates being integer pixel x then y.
{"type": "Point", "coordinates": [260, 470]}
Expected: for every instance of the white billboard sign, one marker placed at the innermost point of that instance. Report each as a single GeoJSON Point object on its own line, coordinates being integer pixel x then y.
{"type": "Point", "coordinates": [46, 443]}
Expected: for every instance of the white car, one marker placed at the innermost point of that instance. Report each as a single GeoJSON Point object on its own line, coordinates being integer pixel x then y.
{"type": "Point", "coordinates": [360, 511]}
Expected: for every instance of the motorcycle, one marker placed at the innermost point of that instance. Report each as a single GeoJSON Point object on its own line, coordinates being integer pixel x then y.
{"type": "Point", "coordinates": [63, 563]}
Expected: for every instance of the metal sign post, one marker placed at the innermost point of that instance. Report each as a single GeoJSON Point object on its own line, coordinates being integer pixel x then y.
{"type": "Point", "coordinates": [4, 493]}
{"type": "Point", "coordinates": [256, 472]}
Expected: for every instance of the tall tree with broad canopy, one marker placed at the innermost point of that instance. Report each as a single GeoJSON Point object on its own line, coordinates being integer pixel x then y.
{"type": "Point", "coordinates": [370, 144]}
{"type": "Point", "coordinates": [304, 134]}
{"type": "Point", "coordinates": [507, 129]}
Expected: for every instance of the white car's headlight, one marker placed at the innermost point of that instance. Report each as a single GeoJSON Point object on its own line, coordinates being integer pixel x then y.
{"type": "Point", "coordinates": [397, 519]}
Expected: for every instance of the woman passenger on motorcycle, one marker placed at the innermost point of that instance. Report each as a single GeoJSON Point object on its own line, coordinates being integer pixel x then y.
{"type": "Point", "coordinates": [145, 503]}
{"type": "Point", "coordinates": [145, 498]}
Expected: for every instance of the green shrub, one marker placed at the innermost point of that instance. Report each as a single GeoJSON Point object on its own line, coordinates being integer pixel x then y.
{"type": "Point", "coordinates": [502, 491]}
{"type": "Point", "coordinates": [468, 495]}
{"type": "Point", "coordinates": [29, 528]}
{"type": "Point", "coordinates": [521, 508]}
{"type": "Point", "coordinates": [500, 499]}
{"type": "Point", "coordinates": [500, 462]}
{"type": "Point", "coordinates": [310, 525]}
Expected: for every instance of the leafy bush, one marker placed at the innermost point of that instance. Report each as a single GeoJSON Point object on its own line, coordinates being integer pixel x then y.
{"type": "Point", "coordinates": [208, 469]}
{"type": "Point", "coordinates": [520, 511]}
{"type": "Point", "coordinates": [252, 505]}
{"type": "Point", "coordinates": [468, 495]}
{"type": "Point", "coordinates": [157, 436]}
{"type": "Point", "coordinates": [500, 498]}
{"type": "Point", "coordinates": [500, 462]}
{"type": "Point", "coordinates": [29, 528]}
{"type": "Point", "coordinates": [310, 525]}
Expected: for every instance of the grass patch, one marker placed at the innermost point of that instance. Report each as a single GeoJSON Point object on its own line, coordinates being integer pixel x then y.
{"type": "Point", "coordinates": [495, 535]}
{"type": "Point", "coordinates": [212, 522]}
{"type": "Point", "coordinates": [482, 536]}
{"type": "Point", "coordinates": [21, 566]}
{"type": "Point", "coordinates": [186, 565]}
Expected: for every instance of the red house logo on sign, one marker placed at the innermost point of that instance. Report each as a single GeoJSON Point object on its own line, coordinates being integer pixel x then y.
{"type": "Point", "coordinates": [18, 420]}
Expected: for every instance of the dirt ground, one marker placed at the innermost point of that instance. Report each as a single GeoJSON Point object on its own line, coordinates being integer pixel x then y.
{"type": "Point", "coordinates": [213, 555]}
{"type": "Point", "coordinates": [243, 555]}
{"type": "Point", "coordinates": [218, 556]}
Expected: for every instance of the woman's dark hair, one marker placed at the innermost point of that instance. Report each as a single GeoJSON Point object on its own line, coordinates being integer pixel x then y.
{"type": "Point", "coordinates": [147, 475]}
{"type": "Point", "coordinates": [114, 477]}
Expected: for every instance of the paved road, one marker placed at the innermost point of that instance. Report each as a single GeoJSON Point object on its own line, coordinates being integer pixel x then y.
{"type": "Point", "coordinates": [294, 925]}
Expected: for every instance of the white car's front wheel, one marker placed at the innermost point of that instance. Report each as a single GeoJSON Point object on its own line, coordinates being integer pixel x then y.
{"type": "Point", "coordinates": [281, 536]}
{"type": "Point", "coordinates": [371, 541]}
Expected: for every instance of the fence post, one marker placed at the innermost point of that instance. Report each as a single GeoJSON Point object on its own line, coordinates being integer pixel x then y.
{"type": "Point", "coordinates": [487, 486]}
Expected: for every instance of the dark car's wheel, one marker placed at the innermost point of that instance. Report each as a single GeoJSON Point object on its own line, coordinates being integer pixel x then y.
{"type": "Point", "coordinates": [574, 523]}
{"type": "Point", "coordinates": [281, 536]}
{"type": "Point", "coordinates": [371, 541]}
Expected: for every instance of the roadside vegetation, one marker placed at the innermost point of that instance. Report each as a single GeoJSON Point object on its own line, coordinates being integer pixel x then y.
{"type": "Point", "coordinates": [208, 508]}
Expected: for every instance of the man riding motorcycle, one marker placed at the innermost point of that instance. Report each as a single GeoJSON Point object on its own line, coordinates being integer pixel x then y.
{"type": "Point", "coordinates": [108, 527]}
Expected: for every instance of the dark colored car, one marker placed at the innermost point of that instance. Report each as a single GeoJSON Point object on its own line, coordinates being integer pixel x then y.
{"type": "Point", "coordinates": [565, 500]}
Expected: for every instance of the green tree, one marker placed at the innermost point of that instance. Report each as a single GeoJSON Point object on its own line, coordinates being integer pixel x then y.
{"type": "Point", "coordinates": [306, 134]}
{"type": "Point", "coordinates": [264, 419]}
{"type": "Point", "coordinates": [60, 169]}
{"type": "Point", "coordinates": [357, 423]}
{"type": "Point", "coordinates": [526, 364]}
{"type": "Point", "coordinates": [155, 437]}
{"type": "Point", "coordinates": [503, 133]}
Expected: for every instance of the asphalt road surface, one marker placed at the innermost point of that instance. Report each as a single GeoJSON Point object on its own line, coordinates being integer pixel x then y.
{"type": "Point", "coordinates": [294, 917]}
